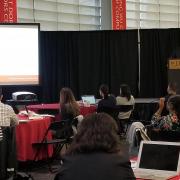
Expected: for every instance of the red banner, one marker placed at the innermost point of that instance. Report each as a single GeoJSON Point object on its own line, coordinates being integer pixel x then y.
{"type": "Point", "coordinates": [8, 11]}
{"type": "Point", "coordinates": [118, 14]}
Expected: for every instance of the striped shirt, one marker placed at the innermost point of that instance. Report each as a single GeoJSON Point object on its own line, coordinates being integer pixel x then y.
{"type": "Point", "coordinates": [7, 115]}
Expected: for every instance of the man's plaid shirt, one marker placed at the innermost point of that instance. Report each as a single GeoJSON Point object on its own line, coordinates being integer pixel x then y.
{"type": "Point", "coordinates": [7, 115]}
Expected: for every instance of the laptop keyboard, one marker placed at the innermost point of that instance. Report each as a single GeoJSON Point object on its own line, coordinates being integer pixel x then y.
{"type": "Point", "coordinates": [152, 176]}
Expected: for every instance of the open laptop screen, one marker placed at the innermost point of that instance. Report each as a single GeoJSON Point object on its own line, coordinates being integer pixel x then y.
{"type": "Point", "coordinates": [160, 157]}
{"type": "Point", "coordinates": [89, 98]}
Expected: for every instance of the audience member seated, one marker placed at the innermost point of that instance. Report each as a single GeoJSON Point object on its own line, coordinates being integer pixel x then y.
{"type": "Point", "coordinates": [69, 108]}
{"type": "Point", "coordinates": [125, 98]}
{"type": "Point", "coordinates": [170, 122]}
{"type": "Point", "coordinates": [8, 119]}
{"type": "Point", "coordinates": [171, 90]}
{"type": "Point", "coordinates": [107, 101]}
{"type": "Point", "coordinates": [95, 152]}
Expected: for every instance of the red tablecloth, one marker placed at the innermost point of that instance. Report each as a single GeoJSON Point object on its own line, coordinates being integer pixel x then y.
{"type": "Point", "coordinates": [34, 130]}
{"type": "Point", "coordinates": [84, 110]}
{"type": "Point", "coordinates": [29, 133]}
{"type": "Point", "coordinates": [87, 110]}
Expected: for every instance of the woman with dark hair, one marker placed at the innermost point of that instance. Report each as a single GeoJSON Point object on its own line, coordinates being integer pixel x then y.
{"type": "Point", "coordinates": [69, 108]}
{"type": "Point", "coordinates": [95, 152]}
{"type": "Point", "coordinates": [125, 98]}
{"type": "Point", "coordinates": [107, 101]}
{"type": "Point", "coordinates": [171, 90]}
{"type": "Point", "coordinates": [170, 121]}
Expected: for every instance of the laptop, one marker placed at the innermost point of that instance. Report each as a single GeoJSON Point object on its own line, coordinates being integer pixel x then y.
{"type": "Point", "coordinates": [158, 160]}
{"type": "Point", "coordinates": [89, 98]}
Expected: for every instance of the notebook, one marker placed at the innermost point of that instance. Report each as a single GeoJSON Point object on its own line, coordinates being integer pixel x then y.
{"type": "Point", "coordinates": [89, 98]}
{"type": "Point", "coordinates": [158, 160]}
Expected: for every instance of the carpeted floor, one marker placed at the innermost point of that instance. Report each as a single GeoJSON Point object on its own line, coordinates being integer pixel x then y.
{"type": "Point", "coordinates": [44, 172]}
{"type": "Point", "coordinates": [40, 170]}
{"type": "Point", "coordinates": [42, 175]}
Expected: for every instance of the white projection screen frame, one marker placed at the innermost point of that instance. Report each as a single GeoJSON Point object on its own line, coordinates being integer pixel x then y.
{"type": "Point", "coordinates": [19, 54]}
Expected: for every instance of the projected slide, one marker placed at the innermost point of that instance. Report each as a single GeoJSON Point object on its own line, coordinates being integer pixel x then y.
{"type": "Point", "coordinates": [19, 54]}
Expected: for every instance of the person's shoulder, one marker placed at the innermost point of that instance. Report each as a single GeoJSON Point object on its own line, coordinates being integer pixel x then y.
{"type": "Point", "coordinates": [120, 157]}
{"type": "Point", "coordinates": [118, 97]}
{"type": "Point", "coordinates": [101, 102]}
{"type": "Point", "coordinates": [121, 100]}
{"type": "Point", "coordinates": [6, 106]}
{"type": "Point", "coordinates": [167, 97]}
{"type": "Point", "coordinates": [132, 99]}
{"type": "Point", "coordinates": [112, 96]}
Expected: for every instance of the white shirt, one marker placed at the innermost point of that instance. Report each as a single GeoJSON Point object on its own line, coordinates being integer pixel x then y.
{"type": "Point", "coordinates": [7, 115]}
{"type": "Point", "coordinates": [124, 101]}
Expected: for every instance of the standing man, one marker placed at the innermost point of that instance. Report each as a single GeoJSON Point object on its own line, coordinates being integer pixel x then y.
{"type": "Point", "coordinates": [7, 114]}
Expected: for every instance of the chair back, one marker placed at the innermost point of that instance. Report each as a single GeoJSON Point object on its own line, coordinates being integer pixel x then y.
{"type": "Point", "coordinates": [171, 136]}
{"type": "Point", "coordinates": [124, 108]}
{"type": "Point", "coordinates": [63, 128]}
{"type": "Point", "coordinates": [124, 123]}
{"type": "Point", "coordinates": [56, 125]}
{"type": "Point", "coordinates": [113, 111]}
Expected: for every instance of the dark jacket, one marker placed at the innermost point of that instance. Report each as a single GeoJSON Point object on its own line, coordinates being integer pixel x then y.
{"type": "Point", "coordinates": [95, 166]}
{"type": "Point", "coordinates": [109, 101]}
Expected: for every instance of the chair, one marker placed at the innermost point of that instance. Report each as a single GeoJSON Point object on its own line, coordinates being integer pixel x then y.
{"type": "Point", "coordinates": [123, 123]}
{"type": "Point", "coordinates": [62, 136]}
{"type": "Point", "coordinates": [135, 134]}
{"type": "Point", "coordinates": [113, 111]}
{"type": "Point", "coordinates": [171, 136]}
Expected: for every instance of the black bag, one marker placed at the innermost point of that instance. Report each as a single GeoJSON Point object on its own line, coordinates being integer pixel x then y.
{"type": "Point", "coordinates": [22, 176]}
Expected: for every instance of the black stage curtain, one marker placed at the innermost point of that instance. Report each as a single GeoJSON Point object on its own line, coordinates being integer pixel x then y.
{"type": "Point", "coordinates": [157, 45]}
{"type": "Point", "coordinates": [124, 60]}
{"type": "Point", "coordinates": [84, 60]}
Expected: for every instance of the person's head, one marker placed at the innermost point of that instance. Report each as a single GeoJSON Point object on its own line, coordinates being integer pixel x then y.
{"type": "Point", "coordinates": [66, 96]}
{"type": "Point", "coordinates": [104, 90]}
{"type": "Point", "coordinates": [97, 133]}
{"type": "Point", "coordinates": [1, 94]}
{"type": "Point", "coordinates": [174, 105]}
{"type": "Point", "coordinates": [172, 88]}
{"type": "Point", "coordinates": [125, 91]}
